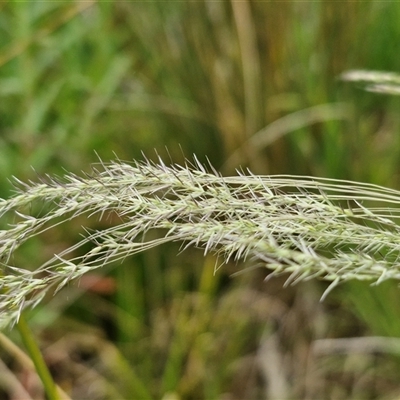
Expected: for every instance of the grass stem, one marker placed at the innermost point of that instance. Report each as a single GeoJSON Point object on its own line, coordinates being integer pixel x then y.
{"type": "Point", "coordinates": [37, 359]}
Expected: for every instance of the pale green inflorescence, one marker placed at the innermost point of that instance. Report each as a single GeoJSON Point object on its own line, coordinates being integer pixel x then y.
{"type": "Point", "coordinates": [307, 227]}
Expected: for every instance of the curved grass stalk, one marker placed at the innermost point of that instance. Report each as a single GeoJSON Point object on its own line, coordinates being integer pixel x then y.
{"type": "Point", "coordinates": [307, 227]}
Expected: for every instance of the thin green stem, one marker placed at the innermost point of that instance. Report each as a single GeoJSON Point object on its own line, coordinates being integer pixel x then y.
{"type": "Point", "coordinates": [37, 359]}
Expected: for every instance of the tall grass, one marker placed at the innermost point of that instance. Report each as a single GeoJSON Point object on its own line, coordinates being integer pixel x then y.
{"type": "Point", "coordinates": [304, 227]}
{"type": "Point", "coordinates": [236, 217]}
{"type": "Point", "coordinates": [253, 85]}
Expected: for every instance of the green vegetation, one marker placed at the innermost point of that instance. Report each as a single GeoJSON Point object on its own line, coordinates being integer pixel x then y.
{"type": "Point", "coordinates": [244, 85]}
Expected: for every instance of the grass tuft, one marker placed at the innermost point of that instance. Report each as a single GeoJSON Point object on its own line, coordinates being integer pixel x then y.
{"type": "Point", "coordinates": [308, 227]}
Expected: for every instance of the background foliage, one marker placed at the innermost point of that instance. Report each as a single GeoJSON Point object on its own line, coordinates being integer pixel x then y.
{"type": "Point", "coordinates": [251, 84]}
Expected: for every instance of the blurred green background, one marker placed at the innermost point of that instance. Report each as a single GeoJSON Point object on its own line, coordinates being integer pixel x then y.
{"type": "Point", "coordinates": [244, 84]}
